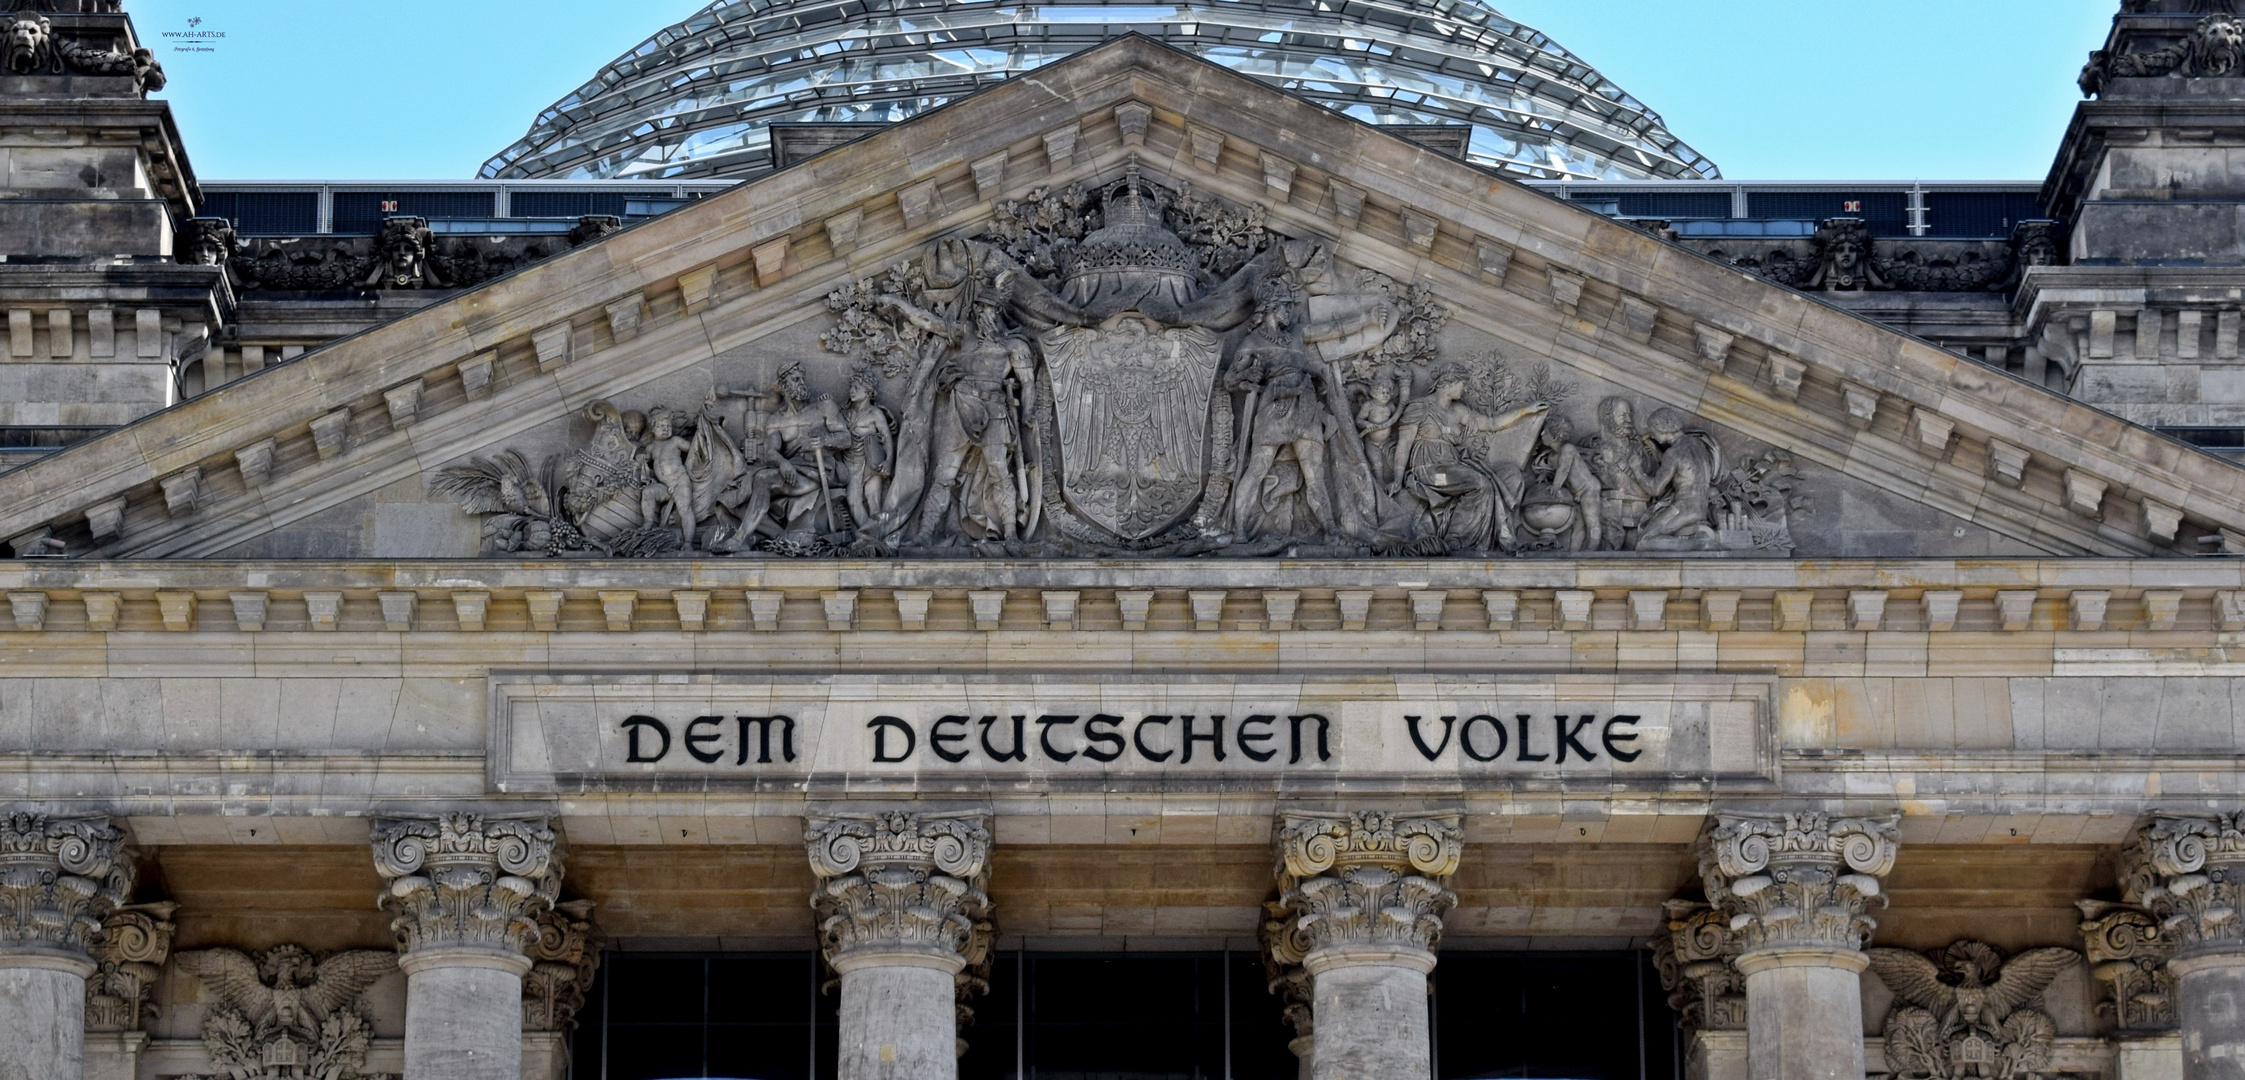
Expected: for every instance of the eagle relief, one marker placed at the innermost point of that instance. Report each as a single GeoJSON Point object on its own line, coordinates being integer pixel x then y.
{"type": "Point", "coordinates": [288, 1012]}
{"type": "Point", "coordinates": [1133, 370]}
{"type": "Point", "coordinates": [1965, 1011]}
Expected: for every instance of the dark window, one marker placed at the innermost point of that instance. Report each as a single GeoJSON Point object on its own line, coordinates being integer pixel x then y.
{"type": "Point", "coordinates": [1582, 1016]}
{"type": "Point", "coordinates": [361, 212]}
{"type": "Point", "coordinates": [1676, 205]}
{"type": "Point", "coordinates": [265, 213]}
{"type": "Point", "coordinates": [1886, 213]}
{"type": "Point", "coordinates": [1982, 215]}
{"type": "Point", "coordinates": [656, 1017]}
{"type": "Point", "coordinates": [1143, 1016]}
{"type": "Point", "coordinates": [2208, 438]}
{"type": "Point", "coordinates": [567, 204]}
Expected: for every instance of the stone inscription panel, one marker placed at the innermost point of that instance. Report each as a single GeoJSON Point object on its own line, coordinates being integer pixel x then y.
{"type": "Point", "coordinates": [946, 732]}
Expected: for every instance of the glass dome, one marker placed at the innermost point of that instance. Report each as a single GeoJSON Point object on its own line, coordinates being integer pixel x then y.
{"type": "Point", "coordinates": [697, 100]}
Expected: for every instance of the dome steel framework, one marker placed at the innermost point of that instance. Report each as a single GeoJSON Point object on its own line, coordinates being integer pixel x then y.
{"type": "Point", "coordinates": [698, 99]}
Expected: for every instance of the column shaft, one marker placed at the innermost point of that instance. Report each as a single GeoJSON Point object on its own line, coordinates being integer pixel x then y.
{"type": "Point", "coordinates": [59, 878]}
{"type": "Point", "coordinates": [463, 1015]}
{"type": "Point", "coordinates": [904, 921]}
{"type": "Point", "coordinates": [898, 1022]}
{"type": "Point", "coordinates": [468, 894]}
{"type": "Point", "coordinates": [43, 1001]}
{"type": "Point", "coordinates": [1361, 900]}
{"type": "Point", "coordinates": [2188, 872]}
{"type": "Point", "coordinates": [1804, 1014]}
{"type": "Point", "coordinates": [2210, 992]}
{"type": "Point", "coordinates": [1796, 889]}
{"type": "Point", "coordinates": [1372, 1021]}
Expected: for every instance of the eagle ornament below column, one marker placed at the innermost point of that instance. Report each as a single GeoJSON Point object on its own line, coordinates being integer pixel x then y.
{"type": "Point", "coordinates": [903, 919]}
{"type": "Point", "coordinates": [1797, 888]}
{"type": "Point", "coordinates": [1365, 892]}
{"type": "Point", "coordinates": [466, 892]}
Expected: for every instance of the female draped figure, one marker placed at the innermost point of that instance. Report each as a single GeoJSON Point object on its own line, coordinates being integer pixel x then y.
{"type": "Point", "coordinates": [1442, 462]}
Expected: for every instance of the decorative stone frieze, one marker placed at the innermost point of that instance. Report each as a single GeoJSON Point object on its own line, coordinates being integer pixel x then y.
{"type": "Point", "coordinates": [2186, 870]}
{"type": "Point", "coordinates": [1368, 877]}
{"type": "Point", "coordinates": [1797, 880]}
{"type": "Point", "coordinates": [59, 878]}
{"type": "Point", "coordinates": [564, 957]}
{"type": "Point", "coordinates": [2128, 951]}
{"type": "Point", "coordinates": [1694, 957]}
{"type": "Point", "coordinates": [1965, 1011]}
{"type": "Point", "coordinates": [465, 881]}
{"type": "Point", "coordinates": [135, 943]}
{"type": "Point", "coordinates": [287, 1011]}
{"type": "Point", "coordinates": [899, 882]}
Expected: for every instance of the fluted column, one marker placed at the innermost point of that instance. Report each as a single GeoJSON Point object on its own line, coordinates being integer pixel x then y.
{"type": "Point", "coordinates": [1365, 895]}
{"type": "Point", "coordinates": [1796, 889]}
{"type": "Point", "coordinates": [59, 878]}
{"type": "Point", "coordinates": [902, 917]}
{"type": "Point", "coordinates": [2186, 871]}
{"type": "Point", "coordinates": [466, 893]}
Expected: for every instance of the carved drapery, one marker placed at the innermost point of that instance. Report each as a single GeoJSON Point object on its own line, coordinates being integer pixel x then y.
{"type": "Point", "coordinates": [2186, 870]}
{"type": "Point", "coordinates": [467, 881]}
{"type": "Point", "coordinates": [900, 882]}
{"type": "Point", "coordinates": [2128, 952]}
{"type": "Point", "coordinates": [1966, 1011]}
{"type": "Point", "coordinates": [1797, 880]}
{"type": "Point", "coordinates": [135, 942]}
{"type": "Point", "coordinates": [564, 957]}
{"type": "Point", "coordinates": [1693, 957]}
{"type": "Point", "coordinates": [1367, 878]}
{"type": "Point", "coordinates": [59, 878]}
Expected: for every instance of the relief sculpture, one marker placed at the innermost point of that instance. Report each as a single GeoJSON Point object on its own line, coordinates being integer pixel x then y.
{"type": "Point", "coordinates": [1134, 370]}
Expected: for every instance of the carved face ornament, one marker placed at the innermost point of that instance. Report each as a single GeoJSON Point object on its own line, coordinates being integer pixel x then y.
{"type": "Point", "coordinates": [29, 42]}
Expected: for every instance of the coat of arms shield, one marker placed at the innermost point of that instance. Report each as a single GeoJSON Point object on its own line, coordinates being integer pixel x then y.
{"type": "Point", "coordinates": [1132, 401]}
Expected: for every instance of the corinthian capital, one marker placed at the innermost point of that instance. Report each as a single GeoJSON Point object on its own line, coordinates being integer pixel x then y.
{"type": "Point", "coordinates": [1367, 879]}
{"type": "Point", "coordinates": [901, 883]}
{"type": "Point", "coordinates": [1694, 957]}
{"type": "Point", "coordinates": [135, 942]}
{"type": "Point", "coordinates": [564, 957]}
{"type": "Point", "coordinates": [2186, 870]}
{"type": "Point", "coordinates": [1797, 880]}
{"type": "Point", "coordinates": [59, 878]}
{"type": "Point", "coordinates": [465, 881]}
{"type": "Point", "coordinates": [2128, 952]}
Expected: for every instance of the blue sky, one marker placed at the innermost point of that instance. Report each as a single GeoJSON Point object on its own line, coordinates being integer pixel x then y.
{"type": "Point", "coordinates": [1769, 89]}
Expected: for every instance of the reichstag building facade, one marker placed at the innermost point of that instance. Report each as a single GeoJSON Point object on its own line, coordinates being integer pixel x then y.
{"type": "Point", "coordinates": [1272, 540]}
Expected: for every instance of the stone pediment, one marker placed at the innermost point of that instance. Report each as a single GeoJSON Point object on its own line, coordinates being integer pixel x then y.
{"type": "Point", "coordinates": [1137, 306]}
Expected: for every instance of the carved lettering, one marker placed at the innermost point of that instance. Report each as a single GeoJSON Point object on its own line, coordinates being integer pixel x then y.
{"type": "Point", "coordinates": [637, 724]}
{"type": "Point", "coordinates": [1465, 738]}
{"type": "Point", "coordinates": [881, 726]}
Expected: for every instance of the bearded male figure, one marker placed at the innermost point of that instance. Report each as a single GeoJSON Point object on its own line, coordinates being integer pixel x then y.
{"type": "Point", "coordinates": [978, 427]}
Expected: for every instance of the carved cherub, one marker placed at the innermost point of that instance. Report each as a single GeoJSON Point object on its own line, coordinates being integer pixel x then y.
{"type": "Point", "coordinates": [1970, 1017]}
{"type": "Point", "coordinates": [665, 453]}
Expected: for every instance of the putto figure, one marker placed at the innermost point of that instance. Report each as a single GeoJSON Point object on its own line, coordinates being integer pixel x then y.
{"type": "Point", "coordinates": [1130, 370]}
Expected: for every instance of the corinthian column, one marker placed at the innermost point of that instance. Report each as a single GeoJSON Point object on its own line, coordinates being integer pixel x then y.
{"type": "Point", "coordinates": [2186, 870]}
{"type": "Point", "coordinates": [1365, 896]}
{"type": "Point", "coordinates": [902, 914]}
{"type": "Point", "coordinates": [1796, 888]}
{"type": "Point", "coordinates": [59, 878]}
{"type": "Point", "coordinates": [466, 893]}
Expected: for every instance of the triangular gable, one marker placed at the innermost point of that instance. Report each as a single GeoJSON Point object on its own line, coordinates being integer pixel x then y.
{"type": "Point", "coordinates": [381, 412]}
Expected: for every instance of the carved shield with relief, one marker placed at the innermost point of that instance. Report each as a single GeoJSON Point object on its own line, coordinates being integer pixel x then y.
{"type": "Point", "coordinates": [1132, 401]}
